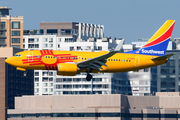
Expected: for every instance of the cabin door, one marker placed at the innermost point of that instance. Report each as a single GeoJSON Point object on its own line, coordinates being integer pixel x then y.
{"type": "Point", "coordinates": [137, 60]}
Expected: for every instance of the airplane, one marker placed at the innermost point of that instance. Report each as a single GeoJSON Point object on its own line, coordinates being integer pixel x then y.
{"type": "Point", "coordinates": [70, 63]}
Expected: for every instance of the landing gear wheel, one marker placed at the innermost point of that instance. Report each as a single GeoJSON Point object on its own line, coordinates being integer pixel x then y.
{"type": "Point", "coordinates": [88, 77]}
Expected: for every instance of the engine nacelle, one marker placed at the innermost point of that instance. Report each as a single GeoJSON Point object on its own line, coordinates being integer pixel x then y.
{"type": "Point", "coordinates": [67, 69]}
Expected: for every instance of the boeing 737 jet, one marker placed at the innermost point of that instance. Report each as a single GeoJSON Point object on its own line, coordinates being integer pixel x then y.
{"type": "Point", "coordinates": [70, 63]}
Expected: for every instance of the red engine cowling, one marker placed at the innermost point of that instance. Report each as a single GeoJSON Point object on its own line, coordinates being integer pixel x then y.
{"type": "Point", "coordinates": [67, 69]}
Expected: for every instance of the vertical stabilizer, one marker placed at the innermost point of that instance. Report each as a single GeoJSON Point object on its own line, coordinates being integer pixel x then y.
{"type": "Point", "coordinates": [158, 43]}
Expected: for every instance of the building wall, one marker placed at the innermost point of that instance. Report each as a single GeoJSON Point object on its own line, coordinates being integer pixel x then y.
{"type": "Point", "coordinates": [3, 96]}
{"type": "Point", "coordinates": [102, 107]}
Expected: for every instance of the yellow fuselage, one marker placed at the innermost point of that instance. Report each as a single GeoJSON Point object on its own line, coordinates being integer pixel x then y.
{"type": "Point", "coordinates": [49, 60]}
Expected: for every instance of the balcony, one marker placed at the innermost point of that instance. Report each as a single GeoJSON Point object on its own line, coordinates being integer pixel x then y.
{"type": "Point", "coordinates": [2, 43]}
{"type": "Point", "coordinates": [2, 36]}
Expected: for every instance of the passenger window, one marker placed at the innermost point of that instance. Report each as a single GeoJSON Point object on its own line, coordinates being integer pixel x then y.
{"type": "Point", "coordinates": [126, 60]}
{"type": "Point", "coordinates": [129, 60]}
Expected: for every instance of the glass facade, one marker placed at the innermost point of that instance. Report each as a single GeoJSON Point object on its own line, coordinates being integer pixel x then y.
{"type": "Point", "coordinates": [18, 84]}
{"type": "Point", "coordinates": [107, 114]}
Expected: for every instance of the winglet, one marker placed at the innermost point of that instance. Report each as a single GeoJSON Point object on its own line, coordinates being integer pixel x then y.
{"type": "Point", "coordinates": [119, 46]}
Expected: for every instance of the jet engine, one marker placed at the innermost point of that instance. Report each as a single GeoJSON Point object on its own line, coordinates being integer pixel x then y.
{"type": "Point", "coordinates": [67, 69]}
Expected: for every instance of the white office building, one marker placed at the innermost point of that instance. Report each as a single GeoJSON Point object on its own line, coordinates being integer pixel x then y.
{"type": "Point", "coordinates": [86, 39]}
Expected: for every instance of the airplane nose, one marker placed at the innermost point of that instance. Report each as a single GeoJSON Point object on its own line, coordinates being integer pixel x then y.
{"type": "Point", "coordinates": [8, 60]}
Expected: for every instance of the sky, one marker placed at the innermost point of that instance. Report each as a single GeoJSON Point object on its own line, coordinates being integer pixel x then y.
{"type": "Point", "coordinates": [128, 19]}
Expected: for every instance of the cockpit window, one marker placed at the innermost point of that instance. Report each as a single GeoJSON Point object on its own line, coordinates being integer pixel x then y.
{"type": "Point", "coordinates": [18, 55]}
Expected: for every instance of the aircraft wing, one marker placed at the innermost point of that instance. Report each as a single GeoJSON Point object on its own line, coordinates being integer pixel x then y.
{"type": "Point", "coordinates": [97, 62]}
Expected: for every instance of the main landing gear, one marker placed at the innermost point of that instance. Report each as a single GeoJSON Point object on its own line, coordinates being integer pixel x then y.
{"type": "Point", "coordinates": [88, 77]}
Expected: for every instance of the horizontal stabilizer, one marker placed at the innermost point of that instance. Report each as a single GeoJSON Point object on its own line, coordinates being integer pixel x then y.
{"type": "Point", "coordinates": [163, 57]}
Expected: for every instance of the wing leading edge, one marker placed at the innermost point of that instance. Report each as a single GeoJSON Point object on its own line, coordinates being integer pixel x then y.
{"type": "Point", "coordinates": [97, 62]}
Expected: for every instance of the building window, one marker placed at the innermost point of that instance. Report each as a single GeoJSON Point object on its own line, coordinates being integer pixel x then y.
{"type": "Point", "coordinates": [59, 86]}
{"type": "Point", "coordinates": [45, 84]}
{"type": "Point", "coordinates": [45, 45]}
{"type": "Point", "coordinates": [172, 63]}
{"type": "Point", "coordinates": [36, 45]}
{"type": "Point", "coordinates": [15, 40]}
{"type": "Point", "coordinates": [36, 39]}
{"type": "Point", "coordinates": [50, 79]}
{"type": "Point", "coordinates": [50, 73]}
{"type": "Point", "coordinates": [36, 84]}
{"type": "Point", "coordinates": [41, 31]}
{"type": "Point", "coordinates": [30, 45]}
{"type": "Point", "coordinates": [66, 31]}
{"type": "Point", "coordinates": [58, 45]}
{"type": "Point", "coordinates": [99, 47]}
{"type": "Point", "coordinates": [52, 31]}
{"type": "Point", "coordinates": [69, 40]}
{"type": "Point", "coordinates": [45, 90]}
{"type": "Point", "coordinates": [45, 79]}
{"type": "Point", "coordinates": [36, 90]}
{"type": "Point", "coordinates": [50, 45]}
{"type": "Point", "coordinates": [31, 40]}
{"type": "Point", "coordinates": [78, 47]}
{"type": "Point", "coordinates": [2, 41]}
{"type": "Point", "coordinates": [16, 46]}
{"type": "Point", "coordinates": [71, 48]}
{"type": "Point", "coordinates": [50, 89]}
{"type": "Point", "coordinates": [15, 25]}
{"type": "Point", "coordinates": [50, 40]}
{"type": "Point", "coordinates": [3, 25]}
{"type": "Point", "coordinates": [36, 79]}
{"type": "Point", "coordinates": [59, 39]}
{"type": "Point", "coordinates": [59, 80]}
{"type": "Point", "coordinates": [50, 84]}
{"type": "Point", "coordinates": [45, 39]}
{"type": "Point", "coordinates": [15, 33]}
{"type": "Point", "coordinates": [2, 33]}
{"type": "Point", "coordinates": [36, 73]}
